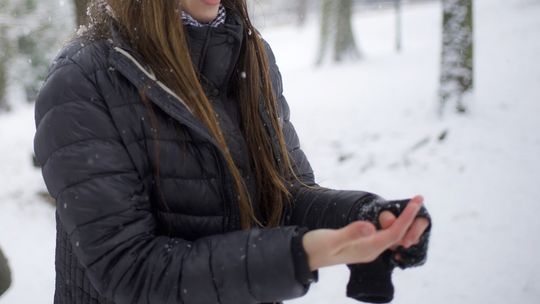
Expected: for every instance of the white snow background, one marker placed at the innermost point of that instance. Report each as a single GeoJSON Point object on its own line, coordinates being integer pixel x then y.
{"type": "Point", "coordinates": [373, 126]}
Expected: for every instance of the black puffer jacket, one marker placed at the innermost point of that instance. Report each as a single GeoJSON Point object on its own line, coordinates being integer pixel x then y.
{"type": "Point", "coordinates": [117, 242]}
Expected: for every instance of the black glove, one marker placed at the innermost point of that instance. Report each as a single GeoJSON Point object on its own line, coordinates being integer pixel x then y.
{"type": "Point", "coordinates": [415, 255]}
{"type": "Point", "coordinates": [372, 282]}
{"type": "Point", "coordinates": [317, 208]}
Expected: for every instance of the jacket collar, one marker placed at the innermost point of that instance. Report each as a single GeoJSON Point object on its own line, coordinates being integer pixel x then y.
{"type": "Point", "coordinates": [219, 20]}
{"type": "Point", "coordinates": [126, 61]}
{"type": "Point", "coordinates": [215, 50]}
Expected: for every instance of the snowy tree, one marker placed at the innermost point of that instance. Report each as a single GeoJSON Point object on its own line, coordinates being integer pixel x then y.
{"type": "Point", "coordinates": [5, 52]}
{"type": "Point", "coordinates": [397, 5]}
{"type": "Point", "coordinates": [31, 32]}
{"type": "Point", "coordinates": [30, 44]}
{"type": "Point", "coordinates": [456, 81]}
{"type": "Point", "coordinates": [271, 12]}
{"type": "Point", "coordinates": [336, 34]}
{"type": "Point", "coordinates": [302, 10]}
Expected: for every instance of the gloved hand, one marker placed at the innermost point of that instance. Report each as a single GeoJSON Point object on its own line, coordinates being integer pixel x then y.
{"type": "Point", "coordinates": [415, 255]}
{"type": "Point", "coordinates": [372, 282]}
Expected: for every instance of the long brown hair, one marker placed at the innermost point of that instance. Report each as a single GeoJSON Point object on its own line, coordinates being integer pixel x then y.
{"type": "Point", "coordinates": [157, 33]}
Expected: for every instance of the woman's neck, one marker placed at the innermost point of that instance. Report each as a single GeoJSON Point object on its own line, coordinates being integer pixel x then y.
{"type": "Point", "coordinates": [217, 21]}
{"type": "Point", "coordinates": [203, 11]}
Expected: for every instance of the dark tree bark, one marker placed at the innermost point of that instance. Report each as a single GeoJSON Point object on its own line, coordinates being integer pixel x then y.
{"type": "Point", "coordinates": [4, 45]}
{"type": "Point", "coordinates": [5, 274]}
{"type": "Point", "coordinates": [80, 11]}
{"type": "Point", "coordinates": [457, 77]}
{"type": "Point", "coordinates": [397, 4]}
{"type": "Point", "coordinates": [5, 51]}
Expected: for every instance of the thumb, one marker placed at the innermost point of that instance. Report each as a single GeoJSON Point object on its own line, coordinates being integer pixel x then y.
{"type": "Point", "coordinates": [355, 230]}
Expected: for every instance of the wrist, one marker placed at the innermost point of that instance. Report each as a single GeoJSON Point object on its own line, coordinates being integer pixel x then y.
{"type": "Point", "coordinates": [314, 254]}
{"type": "Point", "coordinates": [302, 271]}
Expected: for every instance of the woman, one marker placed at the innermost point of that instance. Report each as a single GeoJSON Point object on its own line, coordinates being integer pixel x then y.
{"type": "Point", "coordinates": [164, 136]}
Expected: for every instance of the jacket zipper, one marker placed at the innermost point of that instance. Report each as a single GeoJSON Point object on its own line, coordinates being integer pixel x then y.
{"type": "Point", "coordinates": [224, 193]}
{"type": "Point", "coordinates": [230, 211]}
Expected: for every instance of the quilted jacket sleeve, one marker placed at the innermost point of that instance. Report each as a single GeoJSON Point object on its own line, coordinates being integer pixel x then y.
{"type": "Point", "coordinates": [314, 206]}
{"type": "Point", "coordinates": [105, 209]}
{"type": "Point", "coordinates": [317, 207]}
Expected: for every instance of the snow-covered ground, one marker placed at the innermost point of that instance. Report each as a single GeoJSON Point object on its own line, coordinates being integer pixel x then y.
{"type": "Point", "coordinates": [373, 126]}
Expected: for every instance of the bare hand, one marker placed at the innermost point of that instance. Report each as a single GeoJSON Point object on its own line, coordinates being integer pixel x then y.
{"type": "Point", "coordinates": [360, 242]}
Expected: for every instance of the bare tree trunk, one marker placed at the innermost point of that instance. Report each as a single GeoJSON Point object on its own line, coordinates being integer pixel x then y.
{"type": "Point", "coordinates": [80, 11]}
{"type": "Point", "coordinates": [5, 274]}
{"type": "Point", "coordinates": [397, 4]}
{"type": "Point", "coordinates": [302, 10]}
{"type": "Point", "coordinates": [336, 33]}
{"type": "Point", "coordinates": [4, 56]}
{"type": "Point", "coordinates": [345, 44]}
{"type": "Point", "coordinates": [457, 55]}
{"type": "Point", "coordinates": [327, 11]}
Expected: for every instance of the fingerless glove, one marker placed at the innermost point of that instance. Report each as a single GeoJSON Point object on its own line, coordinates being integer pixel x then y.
{"type": "Point", "coordinates": [372, 282]}
{"type": "Point", "coordinates": [413, 256]}
{"type": "Point", "coordinates": [319, 207]}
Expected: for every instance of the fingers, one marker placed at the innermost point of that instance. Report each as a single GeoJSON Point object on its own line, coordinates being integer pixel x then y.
{"type": "Point", "coordinates": [360, 242]}
{"type": "Point", "coordinates": [418, 199]}
{"type": "Point", "coordinates": [386, 219]}
{"type": "Point", "coordinates": [415, 231]}
{"type": "Point", "coordinates": [398, 229]}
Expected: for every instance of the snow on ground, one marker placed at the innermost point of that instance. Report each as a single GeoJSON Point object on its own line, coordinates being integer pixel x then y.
{"type": "Point", "coordinates": [372, 126]}
{"type": "Point", "coordinates": [480, 184]}
{"type": "Point", "coordinates": [27, 227]}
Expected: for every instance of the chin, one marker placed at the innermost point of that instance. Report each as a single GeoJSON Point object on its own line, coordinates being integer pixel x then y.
{"type": "Point", "coordinates": [211, 2]}
{"type": "Point", "coordinates": [203, 10]}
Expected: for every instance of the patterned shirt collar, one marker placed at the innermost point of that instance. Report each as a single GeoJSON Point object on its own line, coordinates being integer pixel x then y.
{"type": "Point", "coordinates": [219, 20]}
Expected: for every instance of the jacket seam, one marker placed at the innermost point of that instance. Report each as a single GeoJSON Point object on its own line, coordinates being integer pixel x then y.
{"type": "Point", "coordinates": [61, 191]}
{"type": "Point", "coordinates": [210, 258]}
{"type": "Point", "coordinates": [55, 151]}
{"type": "Point", "coordinates": [194, 179]}
{"type": "Point", "coordinates": [179, 140]}
{"type": "Point", "coordinates": [114, 107]}
{"type": "Point", "coordinates": [248, 281]}
{"type": "Point", "coordinates": [185, 214]}
{"type": "Point", "coordinates": [66, 102]}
